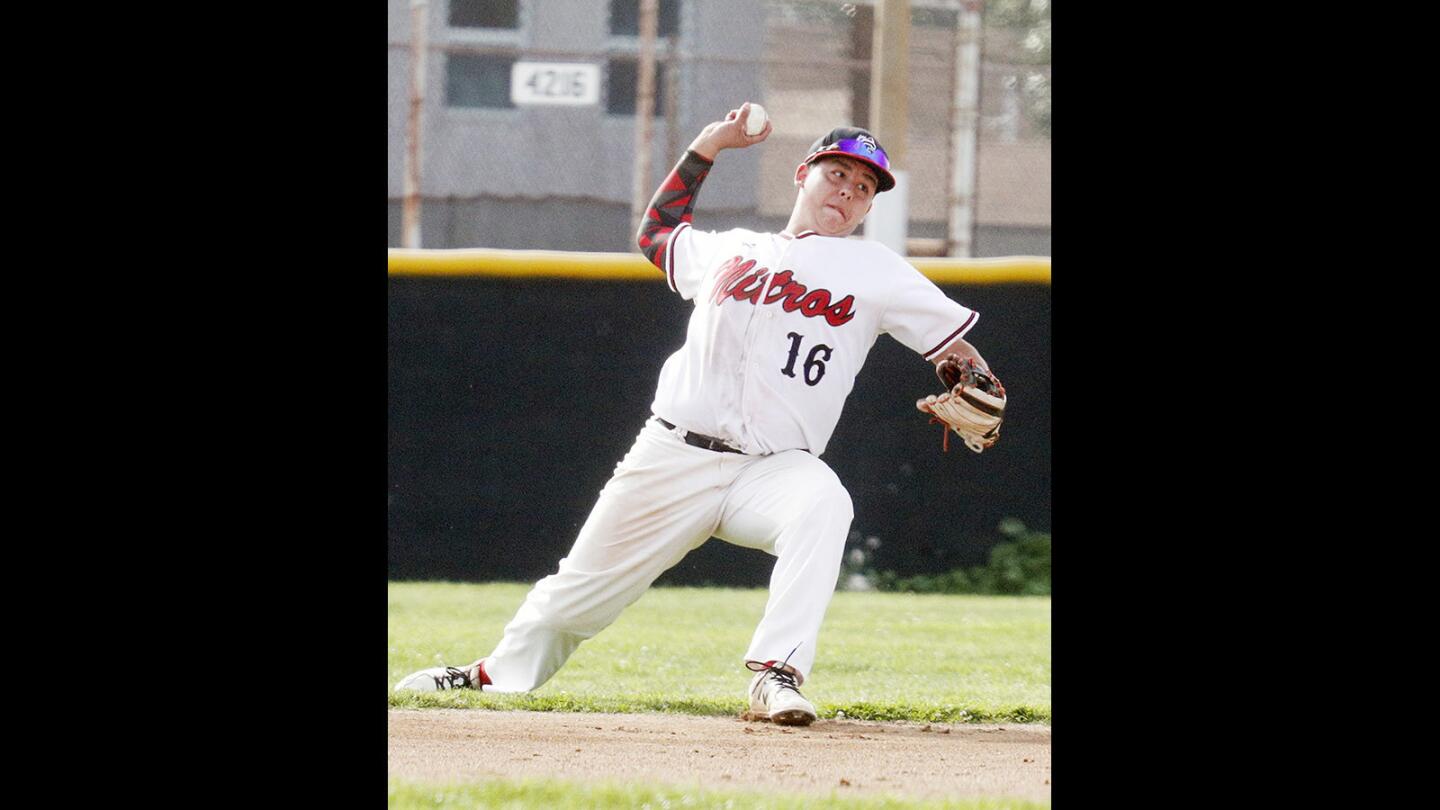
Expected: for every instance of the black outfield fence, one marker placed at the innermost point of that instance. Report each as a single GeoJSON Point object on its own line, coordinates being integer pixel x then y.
{"type": "Point", "coordinates": [512, 400]}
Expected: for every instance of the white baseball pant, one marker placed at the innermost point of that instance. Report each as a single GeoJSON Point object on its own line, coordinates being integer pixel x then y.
{"type": "Point", "coordinates": [665, 499]}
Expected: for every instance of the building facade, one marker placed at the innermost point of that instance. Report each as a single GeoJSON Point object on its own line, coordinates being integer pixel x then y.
{"type": "Point", "coordinates": [494, 174]}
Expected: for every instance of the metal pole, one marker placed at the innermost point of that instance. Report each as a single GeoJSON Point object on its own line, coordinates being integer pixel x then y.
{"type": "Point", "coordinates": [889, 221]}
{"type": "Point", "coordinates": [410, 222]}
{"type": "Point", "coordinates": [644, 111]}
{"type": "Point", "coordinates": [960, 241]}
{"type": "Point", "coordinates": [890, 78]}
{"type": "Point", "coordinates": [672, 103]}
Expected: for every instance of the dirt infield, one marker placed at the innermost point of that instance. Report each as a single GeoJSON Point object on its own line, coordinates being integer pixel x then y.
{"type": "Point", "coordinates": [910, 760]}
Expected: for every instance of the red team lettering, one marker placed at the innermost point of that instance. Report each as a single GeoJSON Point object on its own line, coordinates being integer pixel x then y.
{"type": "Point", "coordinates": [739, 279]}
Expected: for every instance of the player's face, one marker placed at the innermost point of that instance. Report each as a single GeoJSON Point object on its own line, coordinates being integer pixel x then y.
{"type": "Point", "coordinates": [835, 195]}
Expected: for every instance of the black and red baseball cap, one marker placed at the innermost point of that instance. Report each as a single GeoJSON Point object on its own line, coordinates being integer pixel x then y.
{"type": "Point", "coordinates": [854, 142]}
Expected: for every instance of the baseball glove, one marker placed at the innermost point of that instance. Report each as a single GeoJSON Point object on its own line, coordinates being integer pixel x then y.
{"type": "Point", "coordinates": [973, 404]}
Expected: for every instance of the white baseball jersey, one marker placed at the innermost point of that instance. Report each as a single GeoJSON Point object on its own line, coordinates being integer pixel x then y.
{"type": "Point", "coordinates": [782, 325]}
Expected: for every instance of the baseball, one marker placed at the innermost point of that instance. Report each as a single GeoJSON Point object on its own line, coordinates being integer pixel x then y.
{"type": "Point", "coordinates": [756, 122]}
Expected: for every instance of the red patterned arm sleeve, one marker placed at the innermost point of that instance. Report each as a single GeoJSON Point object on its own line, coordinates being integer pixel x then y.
{"type": "Point", "coordinates": [672, 206]}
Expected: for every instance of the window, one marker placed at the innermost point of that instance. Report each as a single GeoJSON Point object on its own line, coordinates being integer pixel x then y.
{"type": "Point", "coordinates": [624, 77]}
{"type": "Point", "coordinates": [484, 13]}
{"type": "Point", "coordinates": [478, 81]}
{"type": "Point", "coordinates": [625, 17]}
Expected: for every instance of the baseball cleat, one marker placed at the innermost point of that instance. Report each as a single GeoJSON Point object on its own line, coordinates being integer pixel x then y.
{"type": "Point", "coordinates": [439, 679]}
{"type": "Point", "coordinates": [775, 696]}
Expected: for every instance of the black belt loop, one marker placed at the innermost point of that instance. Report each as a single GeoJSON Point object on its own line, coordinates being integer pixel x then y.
{"type": "Point", "coordinates": [698, 440]}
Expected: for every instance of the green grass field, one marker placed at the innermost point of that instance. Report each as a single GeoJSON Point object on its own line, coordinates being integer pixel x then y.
{"type": "Point", "coordinates": [882, 656]}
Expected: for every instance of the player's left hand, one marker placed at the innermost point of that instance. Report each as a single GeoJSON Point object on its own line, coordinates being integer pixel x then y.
{"type": "Point", "coordinates": [973, 404]}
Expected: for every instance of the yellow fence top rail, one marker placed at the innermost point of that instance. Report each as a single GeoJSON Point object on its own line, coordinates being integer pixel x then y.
{"type": "Point", "coordinates": [633, 266]}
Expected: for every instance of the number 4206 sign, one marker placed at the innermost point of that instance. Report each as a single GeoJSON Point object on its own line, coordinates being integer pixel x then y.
{"type": "Point", "coordinates": [575, 83]}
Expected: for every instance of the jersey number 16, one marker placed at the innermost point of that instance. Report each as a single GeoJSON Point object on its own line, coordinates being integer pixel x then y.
{"type": "Point", "coordinates": [813, 363]}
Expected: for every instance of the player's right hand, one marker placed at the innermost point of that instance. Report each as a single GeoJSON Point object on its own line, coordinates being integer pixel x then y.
{"type": "Point", "coordinates": [728, 134]}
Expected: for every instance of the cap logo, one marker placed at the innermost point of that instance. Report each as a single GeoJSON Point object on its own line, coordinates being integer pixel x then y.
{"type": "Point", "coordinates": [867, 142]}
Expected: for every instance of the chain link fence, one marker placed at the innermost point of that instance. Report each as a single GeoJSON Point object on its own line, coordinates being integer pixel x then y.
{"type": "Point", "coordinates": [493, 174]}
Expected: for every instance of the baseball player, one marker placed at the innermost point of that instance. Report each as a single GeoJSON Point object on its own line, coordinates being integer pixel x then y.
{"type": "Point", "coordinates": [781, 325]}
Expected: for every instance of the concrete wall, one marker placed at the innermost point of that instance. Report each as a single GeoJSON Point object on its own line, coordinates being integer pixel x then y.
{"type": "Point", "coordinates": [594, 225]}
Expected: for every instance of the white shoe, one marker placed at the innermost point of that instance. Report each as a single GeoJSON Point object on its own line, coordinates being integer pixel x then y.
{"type": "Point", "coordinates": [775, 696]}
{"type": "Point", "coordinates": [439, 679]}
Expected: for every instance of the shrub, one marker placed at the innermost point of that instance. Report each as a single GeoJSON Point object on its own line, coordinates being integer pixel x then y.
{"type": "Point", "coordinates": [1020, 566]}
